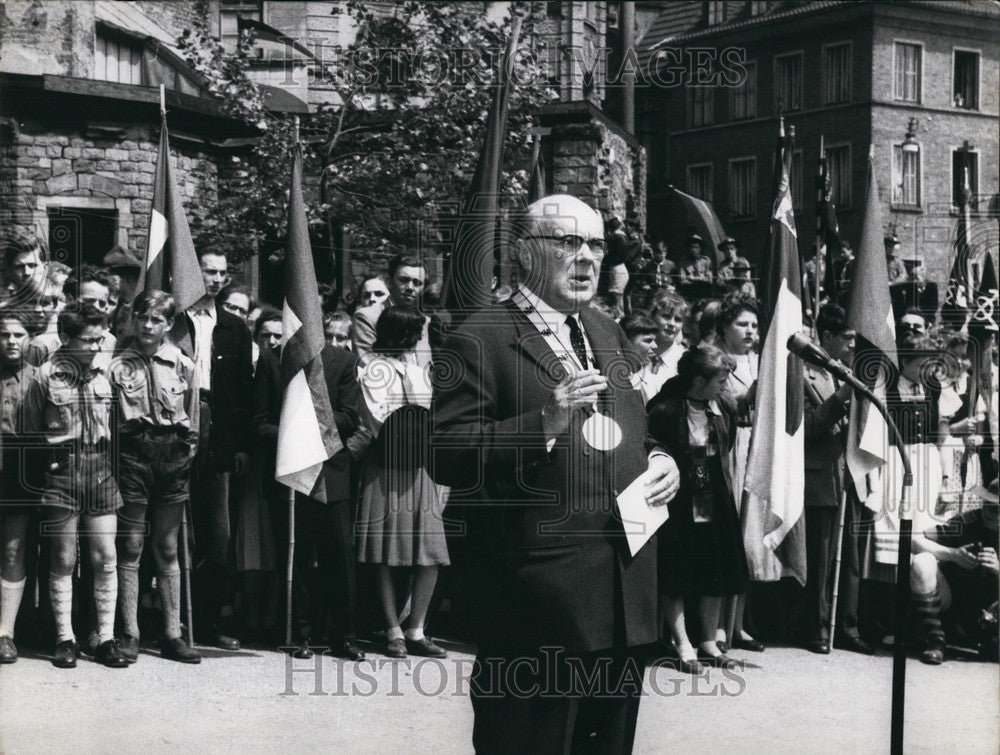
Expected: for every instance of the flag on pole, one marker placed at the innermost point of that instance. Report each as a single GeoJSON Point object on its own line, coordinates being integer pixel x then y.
{"type": "Point", "coordinates": [827, 230]}
{"type": "Point", "coordinates": [469, 278]}
{"type": "Point", "coordinates": [963, 289]}
{"type": "Point", "coordinates": [307, 434]}
{"type": "Point", "coordinates": [776, 468]}
{"type": "Point", "coordinates": [171, 264]}
{"type": "Point", "coordinates": [536, 178]}
{"type": "Point", "coordinates": [702, 216]}
{"type": "Point", "coordinates": [869, 314]}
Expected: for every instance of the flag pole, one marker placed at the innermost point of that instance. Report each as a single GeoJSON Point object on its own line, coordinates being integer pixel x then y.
{"type": "Point", "coordinates": [291, 506]}
{"type": "Point", "coordinates": [163, 100]}
{"type": "Point", "coordinates": [821, 250]}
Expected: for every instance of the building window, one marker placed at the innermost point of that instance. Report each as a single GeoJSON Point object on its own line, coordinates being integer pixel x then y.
{"type": "Point", "coordinates": [743, 187]}
{"type": "Point", "coordinates": [715, 12]}
{"type": "Point", "coordinates": [613, 11]}
{"type": "Point", "coordinates": [838, 161]}
{"type": "Point", "coordinates": [966, 88]}
{"type": "Point", "coordinates": [700, 105]}
{"type": "Point", "coordinates": [117, 57]}
{"type": "Point", "coordinates": [795, 179]}
{"type": "Point", "coordinates": [699, 181]}
{"type": "Point", "coordinates": [744, 97]}
{"type": "Point", "coordinates": [907, 78]}
{"type": "Point", "coordinates": [81, 235]}
{"type": "Point", "coordinates": [230, 13]}
{"type": "Point", "coordinates": [553, 9]}
{"type": "Point", "coordinates": [958, 177]}
{"type": "Point", "coordinates": [905, 177]}
{"type": "Point", "coordinates": [837, 73]}
{"type": "Point", "coordinates": [757, 7]}
{"type": "Point", "coordinates": [788, 82]}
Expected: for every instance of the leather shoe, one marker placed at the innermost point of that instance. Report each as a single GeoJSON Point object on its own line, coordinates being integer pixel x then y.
{"type": "Point", "coordinates": [723, 646]}
{"type": "Point", "coordinates": [224, 641]}
{"type": "Point", "coordinates": [176, 649]}
{"type": "Point", "coordinates": [425, 646]}
{"type": "Point", "coordinates": [396, 648]}
{"type": "Point", "coordinates": [109, 653]}
{"type": "Point", "coordinates": [8, 650]}
{"type": "Point", "coordinates": [65, 654]}
{"type": "Point", "coordinates": [852, 642]}
{"type": "Point", "coordinates": [751, 644]}
{"type": "Point", "coordinates": [933, 655]}
{"type": "Point", "coordinates": [820, 646]}
{"type": "Point", "coordinates": [128, 645]}
{"type": "Point", "coordinates": [350, 651]}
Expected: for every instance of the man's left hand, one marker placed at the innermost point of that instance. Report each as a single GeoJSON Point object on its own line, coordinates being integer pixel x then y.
{"type": "Point", "coordinates": [988, 561]}
{"type": "Point", "coordinates": [664, 481]}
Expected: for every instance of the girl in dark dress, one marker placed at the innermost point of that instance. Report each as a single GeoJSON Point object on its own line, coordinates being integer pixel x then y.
{"type": "Point", "coordinates": [701, 549]}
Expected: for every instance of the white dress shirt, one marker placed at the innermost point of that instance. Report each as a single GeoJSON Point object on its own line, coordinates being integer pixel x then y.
{"type": "Point", "coordinates": [204, 320]}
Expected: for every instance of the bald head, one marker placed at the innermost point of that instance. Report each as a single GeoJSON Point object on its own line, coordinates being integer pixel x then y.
{"type": "Point", "coordinates": [561, 251]}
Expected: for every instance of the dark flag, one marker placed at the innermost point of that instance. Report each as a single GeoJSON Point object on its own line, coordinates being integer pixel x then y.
{"type": "Point", "coordinates": [701, 215]}
{"type": "Point", "coordinates": [827, 231]}
{"type": "Point", "coordinates": [776, 468]}
{"type": "Point", "coordinates": [469, 279]}
{"type": "Point", "coordinates": [171, 263]}
{"type": "Point", "coordinates": [536, 178]}
{"type": "Point", "coordinates": [307, 433]}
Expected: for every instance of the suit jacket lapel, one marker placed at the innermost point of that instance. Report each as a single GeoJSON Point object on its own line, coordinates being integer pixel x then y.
{"type": "Point", "coordinates": [529, 342]}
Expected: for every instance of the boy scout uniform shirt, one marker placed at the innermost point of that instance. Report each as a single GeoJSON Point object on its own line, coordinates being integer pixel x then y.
{"type": "Point", "coordinates": [66, 407]}
{"type": "Point", "coordinates": [154, 391]}
{"type": "Point", "coordinates": [14, 382]}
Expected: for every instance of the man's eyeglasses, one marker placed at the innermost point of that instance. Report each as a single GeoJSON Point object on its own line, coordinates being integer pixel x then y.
{"type": "Point", "coordinates": [570, 244]}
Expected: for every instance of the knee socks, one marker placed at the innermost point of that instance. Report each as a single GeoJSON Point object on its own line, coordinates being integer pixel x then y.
{"type": "Point", "coordinates": [169, 584]}
{"type": "Point", "coordinates": [105, 597]}
{"type": "Point", "coordinates": [927, 609]}
{"type": "Point", "coordinates": [61, 596]}
{"type": "Point", "coordinates": [128, 598]}
{"type": "Point", "coordinates": [10, 602]}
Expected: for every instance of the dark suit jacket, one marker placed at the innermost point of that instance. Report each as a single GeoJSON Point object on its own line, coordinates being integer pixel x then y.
{"type": "Point", "coordinates": [340, 370]}
{"type": "Point", "coordinates": [549, 557]}
{"type": "Point", "coordinates": [232, 383]}
{"type": "Point", "coordinates": [825, 439]}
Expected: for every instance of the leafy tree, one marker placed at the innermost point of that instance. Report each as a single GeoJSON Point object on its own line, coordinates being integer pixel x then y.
{"type": "Point", "coordinates": [401, 142]}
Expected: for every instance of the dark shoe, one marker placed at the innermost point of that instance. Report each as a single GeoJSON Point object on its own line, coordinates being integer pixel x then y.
{"type": "Point", "coordinates": [933, 655]}
{"type": "Point", "coordinates": [350, 651]}
{"type": "Point", "coordinates": [8, 650]}
{"type": "Point", "coordinates": [695, 668]}
{"type": "Point", "coordinates": [224, 641]}
{"type": "Point", "coordinates": [723, 646]}
{"type": "Point", "coordinates": [425, 646]}
{"type": "Point", "coordinates": [178, 650]}
{"type": "Point", "coordinates": [396, 648]}
{"type": "Point", "coordinates": [129, 647]}
{"type": "Point", "coordinates": [717, 661]}
{"type": "Point", "coordinates": [819, 646]}
{"type": "Point", "coordinates": [66, 654]}
{"type": "Point", "coordinates": [750, 644]}
{"type": "Point", "coordinates": [109, 653]}
{"type": "Point", "coordinates": [852, 642]}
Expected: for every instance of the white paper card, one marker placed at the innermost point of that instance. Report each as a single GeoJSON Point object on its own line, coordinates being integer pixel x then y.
{"type": "Point", "coordinates": [639, 518]}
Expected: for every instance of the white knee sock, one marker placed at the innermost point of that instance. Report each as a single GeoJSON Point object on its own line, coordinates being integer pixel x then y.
{"type": "Point", "coordinates": [61, 596]}
{"type": "Point", "coordinates": [105, 597]}
{"type": "Point", "coordinates": [10, 602]}
{"type": "Point", "coordinates": [170, 595]}
{"type": "Point", "coordinates": [128, 598]}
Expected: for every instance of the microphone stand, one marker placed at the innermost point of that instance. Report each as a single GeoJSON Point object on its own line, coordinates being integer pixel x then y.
{"type": "Point", "coordinates": [902, 569]}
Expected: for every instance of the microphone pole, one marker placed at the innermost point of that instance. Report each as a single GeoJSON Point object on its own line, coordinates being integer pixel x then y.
{"type": "Point", "coordinates": [809, 352]}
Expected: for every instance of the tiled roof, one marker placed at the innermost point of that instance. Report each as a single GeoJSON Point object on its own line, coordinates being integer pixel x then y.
{"type": "Point", "coordinates": [128, 16]}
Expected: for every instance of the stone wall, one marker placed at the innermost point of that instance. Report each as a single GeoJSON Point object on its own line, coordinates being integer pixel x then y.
{"type": "Point", "coordinates": [47, 36]}
{"type": "Point", "coordinates": [100, 168]}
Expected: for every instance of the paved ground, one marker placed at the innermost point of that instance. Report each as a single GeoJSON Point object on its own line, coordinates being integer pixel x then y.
{"type": "Point", "coordinates": [785, 700]}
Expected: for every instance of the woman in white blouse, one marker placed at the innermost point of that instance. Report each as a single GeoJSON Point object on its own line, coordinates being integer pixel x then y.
{"type": "Point", "coordinates": [399, 523]}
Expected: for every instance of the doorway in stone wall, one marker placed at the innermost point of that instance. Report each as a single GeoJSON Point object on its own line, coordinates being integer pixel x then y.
{"type": "Point", "coordinates": [81, 235]}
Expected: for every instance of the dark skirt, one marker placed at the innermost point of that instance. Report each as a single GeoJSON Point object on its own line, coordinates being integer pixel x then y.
{"type": "Point", "coordinates": [704, 558]}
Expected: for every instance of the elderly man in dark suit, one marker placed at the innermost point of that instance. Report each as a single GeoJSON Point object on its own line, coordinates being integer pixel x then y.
{"type": "Point", "coordinates": [219, 344]}
{"type": "Point", "coordinates": [537, 429]}
{"type": "Point", "coordinates": [826, 408]}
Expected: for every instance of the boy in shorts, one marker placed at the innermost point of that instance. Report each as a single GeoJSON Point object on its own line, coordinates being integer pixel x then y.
{"type": "Point", "coordinates": [151, 381]}
{"type": "Point", "coordinates": [68, 410]}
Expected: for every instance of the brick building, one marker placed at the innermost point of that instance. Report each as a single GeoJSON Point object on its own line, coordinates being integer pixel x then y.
{"type": "Point", "coordinates": [79, 126]}
{"type": "Point", "coordinates": [861, 76]}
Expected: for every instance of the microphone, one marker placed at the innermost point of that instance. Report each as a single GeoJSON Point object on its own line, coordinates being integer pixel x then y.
{"type": "Point", "coordinates": [807, 351]}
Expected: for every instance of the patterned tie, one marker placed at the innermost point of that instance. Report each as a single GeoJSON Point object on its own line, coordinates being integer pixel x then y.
{"type": "Point", "coordinates": [576, 340]}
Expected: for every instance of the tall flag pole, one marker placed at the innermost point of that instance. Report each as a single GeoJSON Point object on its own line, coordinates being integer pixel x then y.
{"type": "Point", "coordinates": [775, 471]}
{"type": "Point", "coordinates": [469, 278]}
{"type": "Point", "coordinates": [536, 178]}
{"type": "Point", "coordinates": [307, 434]}
{"type": "Point", "coordinates": [171, 263]}
{"type": "Point", "coordinates": [869, 314]}
{"type": "Point", "coordinates": [827, 230]}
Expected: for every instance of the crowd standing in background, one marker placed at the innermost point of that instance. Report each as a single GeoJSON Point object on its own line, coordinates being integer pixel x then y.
{"type": "Point", "coordinates": [121, 416]}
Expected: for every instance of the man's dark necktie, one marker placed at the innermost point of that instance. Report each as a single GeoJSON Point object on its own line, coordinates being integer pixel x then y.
{"type": "Point", "coordinates": [576, 341]}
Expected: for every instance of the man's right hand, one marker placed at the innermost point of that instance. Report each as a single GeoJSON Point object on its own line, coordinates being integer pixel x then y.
{"type": "Point", "coordinates": [576, 391]}
{"type": "Point", "coordinates": [965, 557]}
